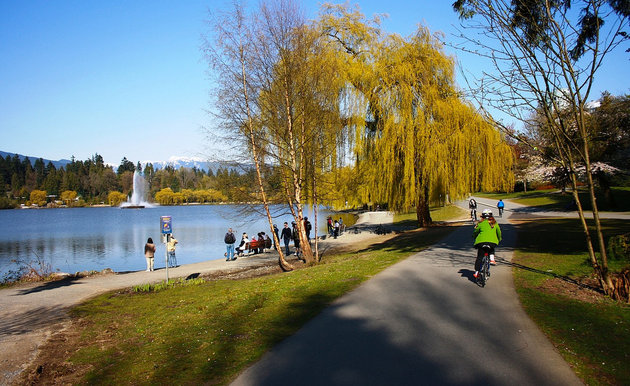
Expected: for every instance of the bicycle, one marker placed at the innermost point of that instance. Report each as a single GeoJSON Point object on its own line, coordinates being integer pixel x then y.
{"type": "Point", "coordinates": [484, 270]}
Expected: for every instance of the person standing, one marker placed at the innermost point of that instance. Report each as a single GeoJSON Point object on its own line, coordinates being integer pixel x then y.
{"type": "Point", "coordinates": [277, 232]}
{"type": "Point", "coordinates": [229, 239]}
{"type": "Point", "coordinates": [500, 206]}
{"type": "Point", "coordinates": [296, 239]}
{"type": "Point", "coordinates": [336, 229]}
{"type": "Point", "coordinates": [170, 247]}
{"type": "Point", "coordinates": [149, 253]}
{"type": "Point", "coordinates": [286, 237]}
{"type": "Point", "coordinates": [329, 224]}
{"type": "Point", "coordinates": [307, 227]}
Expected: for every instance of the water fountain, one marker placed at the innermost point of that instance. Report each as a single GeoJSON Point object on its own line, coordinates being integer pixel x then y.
{"type": "Point", "coordinates": [137, 199]}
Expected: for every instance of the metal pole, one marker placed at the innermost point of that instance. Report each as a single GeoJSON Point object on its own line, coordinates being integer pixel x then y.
{"type": "Point", "coordinates": [168, 236]}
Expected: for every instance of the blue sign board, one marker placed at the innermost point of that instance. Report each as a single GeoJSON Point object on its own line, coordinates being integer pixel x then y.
{"type": "Point", "coordinates": [166, 225]}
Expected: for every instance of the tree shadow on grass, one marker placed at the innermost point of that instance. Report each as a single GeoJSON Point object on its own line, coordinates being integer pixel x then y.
{"type": "Point", "coordinates": [563, 236]}
{"type": "Point", "coordinates": [550, 274]}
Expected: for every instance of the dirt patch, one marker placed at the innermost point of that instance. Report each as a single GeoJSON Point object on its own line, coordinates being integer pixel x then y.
{"type": "Point", "coordinates": [51, 366]}
{"type": "Point", "coordinates": [585, 290]}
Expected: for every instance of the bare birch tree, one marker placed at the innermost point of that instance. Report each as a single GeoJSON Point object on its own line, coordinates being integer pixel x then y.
{"type": "Point", "coordinates": [545, 56]}
{"type": "Point", "coordinates": [234, 56]}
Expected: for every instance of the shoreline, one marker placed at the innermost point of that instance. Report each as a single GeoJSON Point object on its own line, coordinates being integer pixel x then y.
{"type": "Point", "coordinates": [33, 311]}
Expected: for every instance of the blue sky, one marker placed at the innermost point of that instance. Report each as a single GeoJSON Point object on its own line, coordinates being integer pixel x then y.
{"type": "Point", "coordinates": [127, 78]}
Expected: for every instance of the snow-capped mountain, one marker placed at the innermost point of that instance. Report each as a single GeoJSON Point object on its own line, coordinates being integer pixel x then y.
{"type": "Point", "coordinates": [179, 162]}
{"type": "Point", "coordinates": [189, 162]}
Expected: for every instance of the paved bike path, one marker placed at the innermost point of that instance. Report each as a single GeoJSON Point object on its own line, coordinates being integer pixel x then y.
{"type": "Point", "coordinates": [421, 321]}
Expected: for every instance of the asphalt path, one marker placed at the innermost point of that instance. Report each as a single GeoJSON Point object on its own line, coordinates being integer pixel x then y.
{"type": "Point", "coordinates": [422, 321]}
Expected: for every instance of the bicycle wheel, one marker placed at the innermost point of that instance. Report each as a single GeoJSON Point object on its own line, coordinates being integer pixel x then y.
{"type": "Point", "coordinates": [484, 272]}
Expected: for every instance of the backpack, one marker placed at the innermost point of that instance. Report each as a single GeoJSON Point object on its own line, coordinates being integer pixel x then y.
{"type": "Point", "coordinates": [229, 238]}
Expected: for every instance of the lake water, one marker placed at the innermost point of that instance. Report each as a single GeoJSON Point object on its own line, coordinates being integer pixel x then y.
{"type": "Point", "coordinates": [77, 239]}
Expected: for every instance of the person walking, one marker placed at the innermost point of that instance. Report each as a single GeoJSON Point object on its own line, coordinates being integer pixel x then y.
{"type": "Point", "coordinates": [472, 205]}
{"type": "Point", "coordinates": [286, 237]}
{"type": "Point", "coordinates": [149, 253]}
{"type": "Point", "coordinates": [500, 206]}
{"type": "Point", "coordinates": [170, 248]}
{"type": "Point", "coordinates": [229, 239]}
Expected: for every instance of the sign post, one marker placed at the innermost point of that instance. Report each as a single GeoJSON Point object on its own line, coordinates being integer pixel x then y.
{"type": "Point", "coordinates": [166, 226]}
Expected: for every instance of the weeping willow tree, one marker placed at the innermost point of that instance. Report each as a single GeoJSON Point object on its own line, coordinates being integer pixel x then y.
{"type": "Point", "coordinates": [417, 142]}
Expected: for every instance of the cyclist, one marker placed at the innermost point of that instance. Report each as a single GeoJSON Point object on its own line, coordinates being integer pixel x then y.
{"type": "Point", "coordinates": [487, 232]}
{"type": "Point", "coordinates": [472, 205]}
{"type": "Point", "coordinates": [500, 206]}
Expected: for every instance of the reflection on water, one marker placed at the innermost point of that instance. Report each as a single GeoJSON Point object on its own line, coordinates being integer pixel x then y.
{"type": "Point", "coordinates": [79, 239]}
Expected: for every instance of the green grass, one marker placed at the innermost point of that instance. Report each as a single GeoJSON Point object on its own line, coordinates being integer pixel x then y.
{"type": "Point", "coordinates": [443, 213]}
{"type": "Point", "coordinates": [553, 200]}
{"type": "Point", "coordinates": [209, 332]}
{"type": "Point", "coordinates": [593, 337]}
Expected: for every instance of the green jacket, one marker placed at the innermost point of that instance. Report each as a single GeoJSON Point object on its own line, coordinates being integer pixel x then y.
{"type": "Point", "coordinates": [484, 233]}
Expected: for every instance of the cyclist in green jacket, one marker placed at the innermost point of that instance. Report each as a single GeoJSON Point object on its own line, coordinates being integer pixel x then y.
{"type": "Point", "coordinates": [487, 232]}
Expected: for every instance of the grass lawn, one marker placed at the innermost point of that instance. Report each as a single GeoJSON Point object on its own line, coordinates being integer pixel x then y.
{"type": "Point", "coordinates": [449, 212]}
{"type": "Point", "coordinates": [207, 332]}
{"type": "Point", "coordinates": [590, 331]}
{"type": "Point", "coordinates": [553, 200]}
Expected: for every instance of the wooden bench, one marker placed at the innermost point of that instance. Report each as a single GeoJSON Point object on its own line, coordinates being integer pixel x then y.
{"type": "Point", "coordinates": [254, 246]}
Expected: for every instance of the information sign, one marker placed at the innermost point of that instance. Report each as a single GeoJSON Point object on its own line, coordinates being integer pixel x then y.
{"type": "Point", "coordinates": [166, 225]}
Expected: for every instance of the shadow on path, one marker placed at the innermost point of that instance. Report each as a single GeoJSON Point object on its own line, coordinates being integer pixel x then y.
{"type": "Point", "coordinates": [50, 285]}
{"type": "Point", "coordinates": [31, 320]}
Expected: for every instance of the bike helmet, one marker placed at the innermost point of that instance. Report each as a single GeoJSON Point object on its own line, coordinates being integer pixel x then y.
{"type": "Point", "coordinates": [486, 213]}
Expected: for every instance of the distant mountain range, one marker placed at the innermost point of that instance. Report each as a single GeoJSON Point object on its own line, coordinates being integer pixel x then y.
{"type": "Point", "coordinates": [176, 162]}
{"type": "Point", "coordinates": [58, 164]}
{"type": "Point", "coordinates": [190, 162]}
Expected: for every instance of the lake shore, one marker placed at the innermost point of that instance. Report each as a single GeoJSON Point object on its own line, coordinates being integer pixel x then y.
{"type": "Point", "coordinates": [35, 310]}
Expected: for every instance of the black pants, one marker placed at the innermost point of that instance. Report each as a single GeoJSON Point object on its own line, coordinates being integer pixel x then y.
{"type": "Point", "coordinates": [480, 252]}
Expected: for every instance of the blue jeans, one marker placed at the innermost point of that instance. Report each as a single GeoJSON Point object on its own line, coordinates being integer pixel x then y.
{"type": "Point", "coordinates": [286, 245]}
{"type": "Point", "coordinates": [172, 260]}
{"type": "Point", "coordinates": [230, 252]}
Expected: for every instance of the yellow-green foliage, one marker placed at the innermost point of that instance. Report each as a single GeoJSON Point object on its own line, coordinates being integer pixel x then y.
{"type": "Point", "coordinates": [416, 140]}
{"type": "Point", "coordinates": [166, 196]}
{"type": "Point", "coordinates": [38, 197]}
{"type": "Point", "coordinates": [69, 196]}
{"type": "Point", "coordinates": [116, 198]}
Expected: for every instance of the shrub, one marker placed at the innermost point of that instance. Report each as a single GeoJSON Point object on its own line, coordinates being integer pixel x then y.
{"type": "Point", "coordinates": [6, 203]}
{"type": "Point", "coordinates": [38, 197]}
{"type": "Point", "coordinates": [619, 247]}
